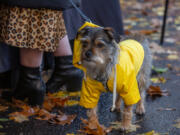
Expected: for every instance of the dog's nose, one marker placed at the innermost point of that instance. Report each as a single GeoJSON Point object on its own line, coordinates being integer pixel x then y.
{"type": "Point", "coordinates": [88, 54]}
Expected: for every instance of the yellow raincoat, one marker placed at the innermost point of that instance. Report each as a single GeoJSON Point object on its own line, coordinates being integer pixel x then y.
{"type": "Point", "coordinates": [130, 61]}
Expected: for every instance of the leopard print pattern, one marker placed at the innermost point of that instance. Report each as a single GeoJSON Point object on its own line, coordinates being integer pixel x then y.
{"type": "Point", "coordinates": [31, 28]}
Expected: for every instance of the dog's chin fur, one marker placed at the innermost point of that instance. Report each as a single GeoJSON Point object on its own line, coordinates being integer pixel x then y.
{"type": "Point", "coordinates": [100, 69]}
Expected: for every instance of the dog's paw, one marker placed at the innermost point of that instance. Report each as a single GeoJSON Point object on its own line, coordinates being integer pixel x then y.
{"type": "Point", "coordinates": [140, 110]}
{"type": "Point", "coordinates": [125, 127]}
{"type": "Point", "coordinates": [115, 109]}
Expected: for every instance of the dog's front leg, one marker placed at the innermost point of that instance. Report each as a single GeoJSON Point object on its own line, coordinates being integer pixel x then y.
{"type": "Point", "coordinates": [118, 103]}
{"type": "Point", "coordinates": [92, 117]}
{"type": "Point", "coordinates": [127, 117]}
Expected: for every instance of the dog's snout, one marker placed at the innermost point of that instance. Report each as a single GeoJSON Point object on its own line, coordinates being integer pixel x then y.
{"type": "Point", "coordinates": [88, 54]}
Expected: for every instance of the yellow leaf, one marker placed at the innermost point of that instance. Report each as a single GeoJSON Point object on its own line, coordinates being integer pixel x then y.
{"type": "Point", "coordinates": [173, 57]}
{"type": "Point", "coordinates": [71, 103]}
{"type": "Point", "coordinates": [177, 125]}
{"type": "Point", "coordinates": [60, 94]}
{"type": "Point", "coordinates": [118, 125]}
{"type": "Point", "coordinates": [150, 133]}
{"type": "Point", "coordinates": [158, 79]}
{"type": "Point", "coordinates": [17, 117]}
{"type": "Point", "coordinates": [74, 94]}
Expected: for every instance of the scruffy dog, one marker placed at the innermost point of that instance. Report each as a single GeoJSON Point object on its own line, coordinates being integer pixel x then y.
{"type": "Point", "coordinates": [125, 65]}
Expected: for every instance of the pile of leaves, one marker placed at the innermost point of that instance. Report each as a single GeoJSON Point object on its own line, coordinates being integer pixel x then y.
{"type": "Point", "coordinates": [24, 111]}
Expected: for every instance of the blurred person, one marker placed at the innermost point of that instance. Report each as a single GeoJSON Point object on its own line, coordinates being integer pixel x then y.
{"type": "Point", "coordinates": [35, 29]}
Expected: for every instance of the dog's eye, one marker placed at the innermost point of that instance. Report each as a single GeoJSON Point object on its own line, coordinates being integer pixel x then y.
{"type": "Point", "coordinates": [100, 45]}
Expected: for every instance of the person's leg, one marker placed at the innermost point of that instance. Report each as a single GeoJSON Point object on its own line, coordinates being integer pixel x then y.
{"type": "Point", "coordinates": [30, 84]}
{"type": "Point", "coordinates": [63, 48]}
{"type": "Point", "coordinates": [30, 57]}
{"type": "Point", "coordinates": [64, 74]}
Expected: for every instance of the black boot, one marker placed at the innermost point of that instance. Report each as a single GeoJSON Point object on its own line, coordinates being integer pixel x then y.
{"type": "Point", "coordinates": [30, 85]}
{"type": "Point", "coordinates": [5, 80]}
{"type": "Point", "coordinates": [65, 74]}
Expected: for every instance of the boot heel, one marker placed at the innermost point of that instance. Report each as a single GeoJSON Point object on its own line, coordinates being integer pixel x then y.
{"type": "Point", "coordinates": [37, 98]}
{"type": "Point", "coordinates": [74, 84]}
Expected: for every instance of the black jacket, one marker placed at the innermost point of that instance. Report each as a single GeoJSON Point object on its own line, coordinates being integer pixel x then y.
{"type": "Point", "coordinates": [49, 4]}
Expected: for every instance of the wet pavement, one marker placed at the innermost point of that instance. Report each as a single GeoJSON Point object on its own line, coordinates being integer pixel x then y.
{"type": "Point", "coordinates": [160, 121]}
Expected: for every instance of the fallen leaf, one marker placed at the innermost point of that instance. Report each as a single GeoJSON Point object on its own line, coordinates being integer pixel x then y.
{"type": "Point", "coordinates": [74, 94]}
{"type": "Point", "coordinates": [156, 91]}
{"type": "Point", "coordinates": [173, 57]}
{"type": "Point", "coordinates": [159, 70]}
{"type": "Point", "coordinates": [43, 114]}
{"type": "Point", "coordinates": [92, 127]}
{"type": "Point", "coordinates": [177, 125]}
{"type": "Point", "coordinates": [170, 40]}
{"type": "Point", "coordinates": [156, 48]}
{"type": "Point", "coordinates": [147, 32]}
{"type": "Point", "coordinates": [150, 133]}
{"type": "Point", "coordinates": [59, 102]}
{"type": "Point", "coordinates": [158, 79]}
{"type": "Point", "coordinates": [48, 105]}
{"type": "Point", "coordinates": [127, 32]}
{"type": "Point", "coordinates": [155, 22]}
{"type": "Point", "coordinates": [18, 117]}
{"type": "Point", "coordinates": [71, 103]}
{"type": "Point", "coordinates": [178, 120]}
{"type": "Point", "coordinates": [166, 109]}
{"type": "Point", "coordinates": [3, 108]}
{"type": "Point", "coordinates": [1, 126]}
{"type": "Point", "coordinates": [118, 125]}
{"type": "Point", "coordinates": [3, 119]}
{"type": "Point", "coordinates": [60, 94]}
{"type": "Point", "coordinates": [63, 119]}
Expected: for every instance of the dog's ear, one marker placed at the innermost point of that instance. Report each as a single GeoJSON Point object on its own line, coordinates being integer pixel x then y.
{"type": "Point", "coordinates": [110, 32]}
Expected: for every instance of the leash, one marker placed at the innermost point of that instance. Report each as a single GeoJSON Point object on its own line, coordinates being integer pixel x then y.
{"type": "Point", "coordinates": [114, 90]}
{"type": "Point", "coordinates": [87, 19]}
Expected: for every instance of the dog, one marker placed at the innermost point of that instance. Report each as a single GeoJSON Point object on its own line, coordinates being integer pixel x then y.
{"type": "Point", "coordinates": [99, 56]}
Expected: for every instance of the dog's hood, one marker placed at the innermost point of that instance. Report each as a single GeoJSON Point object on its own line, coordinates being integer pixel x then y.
{"type": "Point", "coordinates": [78, 46]}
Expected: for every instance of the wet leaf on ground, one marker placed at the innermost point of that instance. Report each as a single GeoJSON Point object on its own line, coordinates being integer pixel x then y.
{"type": "Point", "coordinates": [166, 109]}
{"type": "Point", "coordinates": [3, 119]}
{"type": "Point", "coordinates": [92, 127]}
{"type": "Point", "coordinates": [71, 103]}
{"type": "Point", "coordinates": [151, 133]}
{"type": "Point", "coordinates": [117, 125]}
{"type": "Point", "coordinates": [156, 91]}
{"type": "Point", "coordinates": [18, 117]}
{"type": "Point", "coordinates": [62, 119]}
{"type": "Point", "coordinates": [173, 57]}
{"type": "Point", "coordinates": [43, 114]}
{"type": "Point", "coordinates": [159, 70]}
{"type": "Point", "coordinates": [158, 79]}
{"type": "Point", "coordinates": [156, 48]}
{"type": "Point", "coordinates": [3, 108]}
{"type": "Point", "coordinates": [177, 125]}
